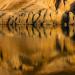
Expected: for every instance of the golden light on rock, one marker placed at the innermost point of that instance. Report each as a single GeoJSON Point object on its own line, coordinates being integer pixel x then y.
{"type": "Point", "coordinates": [37, 37]}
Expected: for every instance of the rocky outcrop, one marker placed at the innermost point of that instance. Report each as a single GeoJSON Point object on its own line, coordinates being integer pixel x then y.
{"type": "Point", "coordinates": [37, 37]}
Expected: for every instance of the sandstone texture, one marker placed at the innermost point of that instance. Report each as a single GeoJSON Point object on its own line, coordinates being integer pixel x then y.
{"type": "Point", "coordinates": [37, 37]}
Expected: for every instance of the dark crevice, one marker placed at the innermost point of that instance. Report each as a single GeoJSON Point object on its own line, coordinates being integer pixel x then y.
{"type": "Point", "coordinates": [57, 4]}
{"type": "Point", "coordinates": [58, 46]}
{"type": "Point", "coordinates": [65, 23]}
{"type": "Point", "coordinates": [1, 55]}
{"type": "Point", "coordinates": [72, 7]}
{"type": "Point", "coordinates": [65, 50]}
{"type": "Point", "coordinates": [73, 37]}
{"type": "Point", "coordinates": [64, 1]}
{"type": "Point", "coordinates": [11, 24]}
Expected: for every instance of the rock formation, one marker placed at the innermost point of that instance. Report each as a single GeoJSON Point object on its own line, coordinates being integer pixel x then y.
{"type": "Point", "coordinates": [37, 37]}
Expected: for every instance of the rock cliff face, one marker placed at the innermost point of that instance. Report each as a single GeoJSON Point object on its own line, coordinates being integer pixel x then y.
{"type": "Point", "coordinates": [37, 37]}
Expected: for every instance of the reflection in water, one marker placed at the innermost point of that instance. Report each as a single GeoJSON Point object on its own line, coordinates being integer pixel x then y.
{"type": "Point", "coordinates": [62, 73]}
